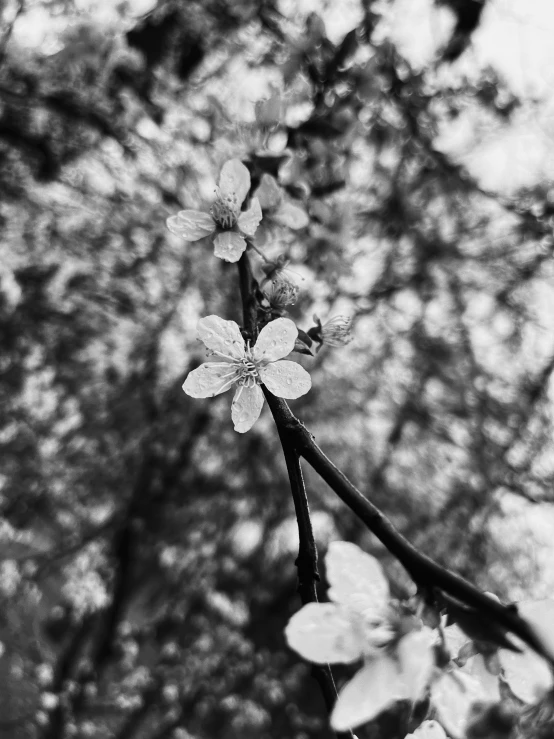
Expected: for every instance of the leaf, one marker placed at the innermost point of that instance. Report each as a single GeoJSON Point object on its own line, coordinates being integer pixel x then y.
{"type": "Point", "coordinates": [483, 631]}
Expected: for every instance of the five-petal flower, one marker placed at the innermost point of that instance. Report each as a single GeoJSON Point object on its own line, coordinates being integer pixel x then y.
{"type": "Point", "coordinates": [277, 208]}
{"type": "Point", "coordinates": [355, 626]}
{"type": "Point", "coordinates": [225, 218]}
{"type": "Point", "coordinates": [248, 367]}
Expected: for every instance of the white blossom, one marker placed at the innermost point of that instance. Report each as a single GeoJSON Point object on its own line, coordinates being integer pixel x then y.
{"type": "Point", "coordinates": [247, 367]}
{"type": "Point", "coordinates": [280, 210]}
{"type": "Point", "coordinates": [356, 626]}
{"type": "Point", "coordinates": [225, 218]}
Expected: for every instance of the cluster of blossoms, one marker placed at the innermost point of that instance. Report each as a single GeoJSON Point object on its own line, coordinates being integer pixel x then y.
{"type": "Point", "coordinates": [225, 218]}
{"type": "Point", "coordinates": [359, 624]}
{"type": "Point", "coordinates": [239, 363]}
{"type": "Point", "coordinates": [399, 654]}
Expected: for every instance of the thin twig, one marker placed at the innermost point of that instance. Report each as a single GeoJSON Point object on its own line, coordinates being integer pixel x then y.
{"type": "Point", "coordinates": [306, 562]}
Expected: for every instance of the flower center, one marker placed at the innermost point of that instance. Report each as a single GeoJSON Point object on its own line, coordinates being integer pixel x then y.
{"type": "Point", "coordinates": [225, 211]}
{"type": "Point", "coordinates": [248, 372]}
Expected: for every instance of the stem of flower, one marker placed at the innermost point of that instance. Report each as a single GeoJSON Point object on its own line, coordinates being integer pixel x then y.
{"type": "Point", "coordinates": [260, 253]}
{"type": "Point", "coordinates": [306, 562]}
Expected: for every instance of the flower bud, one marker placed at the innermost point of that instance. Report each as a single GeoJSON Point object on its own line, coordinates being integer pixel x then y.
{"type": "Point", "coordinates": [337, 331]}
{"type": "Point", "coordinates": [282, 292]}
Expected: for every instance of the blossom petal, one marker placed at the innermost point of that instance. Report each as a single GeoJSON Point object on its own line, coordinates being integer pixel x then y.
{"type": "Point", "coordinates": [375, 687]}
{"type": "Point", "coordinates": [249, 221]}
{"type": "Point", "coordinates": [286, 379]}
{"type": "Point", "coordinates": [208, 380]}
{"type": "Point", "coordinates": [221, 336]}
{"type": "Point", "coordinates": [488, 683]}
{"type": "Point", "coordinates": [455, 639]}
{"type": "Point", "coordinates": [191, 225]}
{"type": "Point", "coordinates": [269, 193]}
{"type": "Point", "coordinates": [324, 632]}
{"type": "Point", "coordinates": [428, 730]}
{"type": "Point", "coordinates": [276, 340]}
{"type": "Point", "coordinates": [234, 180]}
{"type": "Point", "coordinates": [527, 674]}
{"type": "Point", "coordinates": [416, 656]}
{"type": "Point", "coordinates": [246, 407]}
{"type": "Point", "coordinates": [357, 580]}
{"type": "Point", "coordinates": [453, 695]}
{"type": "Point", "coordinates": [229, 245]}
{"type": "Point", "coordinates": [291, 215]}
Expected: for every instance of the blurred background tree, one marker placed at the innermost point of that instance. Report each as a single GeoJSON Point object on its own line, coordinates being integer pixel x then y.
{"type": "Point", "coordinates": [148, 550]}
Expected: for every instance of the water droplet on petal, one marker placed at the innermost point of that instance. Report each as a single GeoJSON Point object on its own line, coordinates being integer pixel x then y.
{"type": "Point", "coordinates": [228, 342]}
{"type": "Point", "coordinates": [273, 343]}
{"type": "Point", "coordinates": [289, 381]}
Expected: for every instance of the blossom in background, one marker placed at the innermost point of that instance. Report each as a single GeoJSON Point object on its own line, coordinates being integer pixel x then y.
{"type": "Point", "coordinates": [357, 625]}
{"type": "Point", "coordinates": [277, 208]}
{"type": "Point", "coordinates": [225, 218]}
{"type": "Point", "coordinates": [457, 690]}
{"type": "Point", "coordinates": [248, 367]}
{"type": "Point", "coordinates": [336, 332]}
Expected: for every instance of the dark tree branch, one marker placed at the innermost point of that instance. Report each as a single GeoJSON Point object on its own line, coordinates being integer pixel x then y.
{"type": "Point", "coordinates": [306, 562]}
{"type": "Point", "coordinates": [427, 574]}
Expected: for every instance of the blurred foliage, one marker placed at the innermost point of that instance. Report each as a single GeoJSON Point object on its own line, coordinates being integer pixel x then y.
{"type": "Point", "coordinates": [148, 550]}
